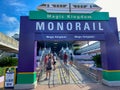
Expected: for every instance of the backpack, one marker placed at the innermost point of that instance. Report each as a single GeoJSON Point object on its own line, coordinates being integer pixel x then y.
{"type": "Point", "coordinates": [49, 63]}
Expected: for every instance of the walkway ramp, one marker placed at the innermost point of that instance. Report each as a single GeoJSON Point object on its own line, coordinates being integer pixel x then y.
{"type": "Point", "coordinates": [64, 74]}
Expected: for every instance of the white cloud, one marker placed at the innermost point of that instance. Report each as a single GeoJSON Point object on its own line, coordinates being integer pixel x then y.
{"type": "Point", "coordinates": [18, 4]}
{"type": "Point", "coordinates": [9, 33]}
{"type": "Point", "coordinates": [11, 23]}
{"type": "Point", "coordinates": [111, 6]}
{"type": "Point", "coordinates": [20, 7]}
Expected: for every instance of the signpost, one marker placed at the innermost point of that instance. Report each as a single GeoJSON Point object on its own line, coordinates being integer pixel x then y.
{"type": "Point", "coordinates": [10, 74]}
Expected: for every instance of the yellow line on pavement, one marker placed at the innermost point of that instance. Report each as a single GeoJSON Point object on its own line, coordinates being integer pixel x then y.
{"type": "Point", "coordinates": [65, 75]}
{"type": "Point", "coordinates": [73, 77]}
{"type": "Point", "coordinates": [58, 74]}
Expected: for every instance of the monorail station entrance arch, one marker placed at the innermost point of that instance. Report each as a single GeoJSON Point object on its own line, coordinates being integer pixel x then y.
{"type": "Point", "coordinates": [39, 26]}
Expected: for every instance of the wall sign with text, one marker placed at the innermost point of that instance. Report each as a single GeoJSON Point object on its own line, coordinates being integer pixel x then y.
{"type": "Point", "coordinates": [10, 74]}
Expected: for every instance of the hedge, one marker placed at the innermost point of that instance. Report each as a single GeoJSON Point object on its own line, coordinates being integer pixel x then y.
{"type": "Point", "coordinates": [8, 61]}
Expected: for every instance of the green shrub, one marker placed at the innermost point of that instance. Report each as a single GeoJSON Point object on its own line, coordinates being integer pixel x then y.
{"type": "Point", "coordinates": [8, 61]}
{"type": "Point", "coordinates": [97, 60]}
{"type": "Point", "coordinates": [2, 71]}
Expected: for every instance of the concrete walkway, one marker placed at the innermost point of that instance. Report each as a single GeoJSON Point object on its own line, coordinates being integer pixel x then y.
{"type": "Point", "coordinates": [90, 86]}
{"type": "Point", "coordinates": [87, 85]}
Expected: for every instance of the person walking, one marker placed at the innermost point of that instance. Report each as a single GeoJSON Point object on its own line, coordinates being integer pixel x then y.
{"type": "Point", "coordinates": [48, 67]}
{"type": "Point", "coordinates": [71, 59]}
{"type": "Point", "coordinates": [54, 61]}
{"type": "Point", "coordinates": [45, 61]}
{"type": "Point", "coordinates": [65, 57]}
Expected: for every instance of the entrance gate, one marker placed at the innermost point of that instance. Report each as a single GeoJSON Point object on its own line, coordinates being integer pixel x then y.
{"type": "Point", "coordinates": [49, 28]}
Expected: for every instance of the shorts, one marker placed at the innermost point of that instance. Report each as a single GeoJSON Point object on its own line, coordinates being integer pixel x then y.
{"type": "Point", "coordinates": [65, 61]}
{"type": "Point", "coordinates": [48, 68]}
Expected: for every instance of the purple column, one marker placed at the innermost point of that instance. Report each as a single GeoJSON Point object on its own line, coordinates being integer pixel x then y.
{"type": "Point", "coordinates": [27, 46]}
{"type": "Point", "coordinates": [110, 48]}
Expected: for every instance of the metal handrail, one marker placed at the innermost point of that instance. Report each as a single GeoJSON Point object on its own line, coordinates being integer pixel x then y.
{"type": "Point", "coordinates": [95, 74]}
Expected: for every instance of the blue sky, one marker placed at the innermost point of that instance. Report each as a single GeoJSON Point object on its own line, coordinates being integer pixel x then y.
{"type": "Point", "coordinates": [11, 10]}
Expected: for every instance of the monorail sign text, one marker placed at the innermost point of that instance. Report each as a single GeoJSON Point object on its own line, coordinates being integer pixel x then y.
{"type": "Point", "coordinates": [68, 26]}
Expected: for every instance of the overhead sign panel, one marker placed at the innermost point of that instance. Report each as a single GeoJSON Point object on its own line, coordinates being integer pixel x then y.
{"type": "Point", "coordinates": [69, 7]}
{"type": "Point", "coordinates": [66, 16]}
{"type": "Point", "coordinates": [65, 26]}
{"type": "Point", "coordinates": [67, 29]}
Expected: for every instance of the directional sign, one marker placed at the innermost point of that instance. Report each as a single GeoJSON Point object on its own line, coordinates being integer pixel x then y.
{"type": "Point", "coordinates": [68, 16]}
{"type": "Point", "coordinates": [10, 74]}
{"type": "Point", "coordinates": [69, 7]}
